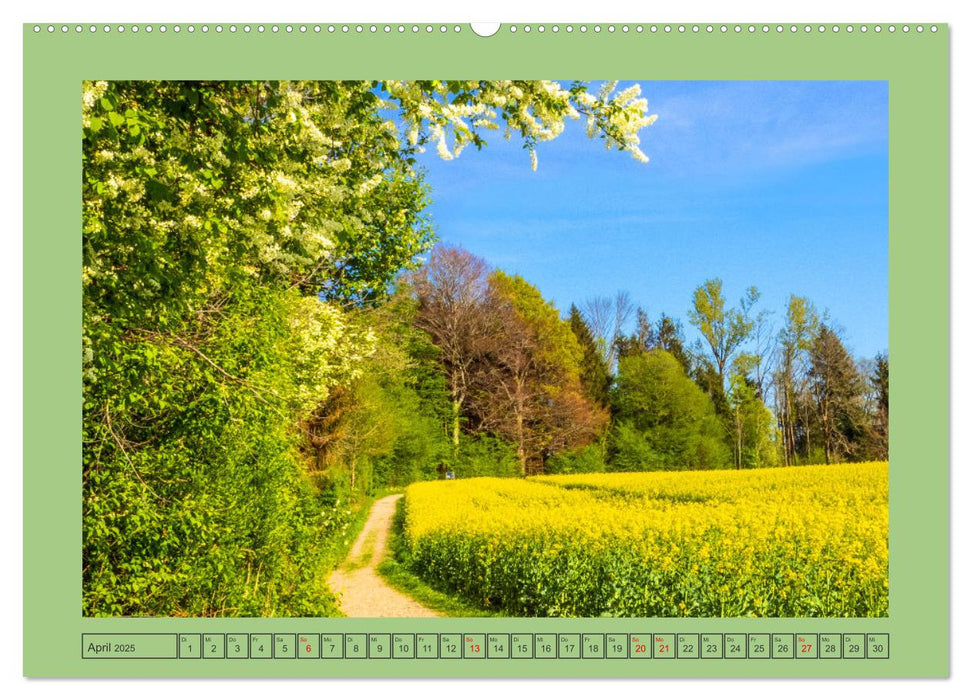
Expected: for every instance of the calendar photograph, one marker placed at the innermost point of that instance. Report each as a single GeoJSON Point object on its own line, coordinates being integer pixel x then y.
{"type": "Point", "coordinates": [485, 348]}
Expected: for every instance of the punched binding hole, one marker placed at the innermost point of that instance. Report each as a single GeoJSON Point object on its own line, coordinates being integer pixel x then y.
{"type": "Point", "coordinates": [485, 29]}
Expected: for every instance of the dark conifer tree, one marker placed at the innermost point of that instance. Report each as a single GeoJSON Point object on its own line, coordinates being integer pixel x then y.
{"type": "Point", "coordinates": [837, 391]}
{"type": "Point", "coordinates": [594, 375]}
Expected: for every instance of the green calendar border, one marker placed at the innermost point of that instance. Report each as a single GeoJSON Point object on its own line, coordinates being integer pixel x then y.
{"type": "Point", "coordinates": [916, 66]}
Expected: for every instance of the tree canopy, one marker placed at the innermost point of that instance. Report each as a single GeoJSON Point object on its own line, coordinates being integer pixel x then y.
{"type": "Point", "coordinates": [724, 330]}
{"type": "Point", "coordinates": [664, 419]}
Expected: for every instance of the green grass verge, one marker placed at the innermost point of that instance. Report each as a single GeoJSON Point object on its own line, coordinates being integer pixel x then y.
{"type": "Point", "coordinates": [397, 572]}
{"type": "Point", "coordinates": [338, 546]}
{"type": "Point", "coordinates": [342, 542]}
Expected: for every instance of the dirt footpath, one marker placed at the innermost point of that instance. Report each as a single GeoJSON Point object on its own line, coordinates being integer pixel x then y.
{"type": "Point", "coordinates": [360, 591]}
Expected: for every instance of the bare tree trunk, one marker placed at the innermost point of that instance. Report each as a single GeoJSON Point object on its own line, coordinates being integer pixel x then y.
{"type": "Point", "coordinates": [737, 446]}
{"type": "Point", "coordinates": [809, 444]}
{"type": "Point", "coordinates": [827, 434]}
{"type": "Point", "coordinates": [780, 411]}
{"type": "Point", "coordinates": [790, 427]}
{"type": "Point", "coordinates": [520, 432]}
{"type": "Point", "coordinates": [738, 460]}
{"type": "Point", "coordinates": [456, 422]}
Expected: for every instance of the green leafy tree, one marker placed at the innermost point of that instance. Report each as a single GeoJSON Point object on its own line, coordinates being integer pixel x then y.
{"type": "Point", "coordinates": [794, 341]}
{"type": "Point", "coordinates": [582, 460]}
{"type": "Point", "coordinates": [662, 418]}
{"type": "Point", "coordinates": [631, 450]}
{"type": "Point", "coordinates": [751, 423]}
{"type": "Point", "coordinates": [386, 427]}
{"type": "Point", "coordinates": [724, 330]}
{"type": "Point", "coordinates": [407, 364]}
{"type": "Point", "coordinates": [528, 388]}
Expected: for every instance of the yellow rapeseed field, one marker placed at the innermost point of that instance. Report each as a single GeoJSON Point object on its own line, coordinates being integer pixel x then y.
{"type": "Point", "coordinates": [789, 542]}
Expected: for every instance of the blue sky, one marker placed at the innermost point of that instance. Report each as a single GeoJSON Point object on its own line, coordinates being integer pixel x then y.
{"type": "Point", "coordinates": [781, 185]}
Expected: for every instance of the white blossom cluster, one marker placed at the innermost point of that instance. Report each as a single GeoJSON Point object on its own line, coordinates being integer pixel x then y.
{"type": "Point", "coordinates": [328, 348]}
{"type": "Point", "coordinates": [91, 92]}
{"type": "Point", "coordinates": [455, 113]}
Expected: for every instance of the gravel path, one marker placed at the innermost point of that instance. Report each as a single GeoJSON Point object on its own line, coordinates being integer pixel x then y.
{"type": "Point", "coordinates": [361, 592]}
